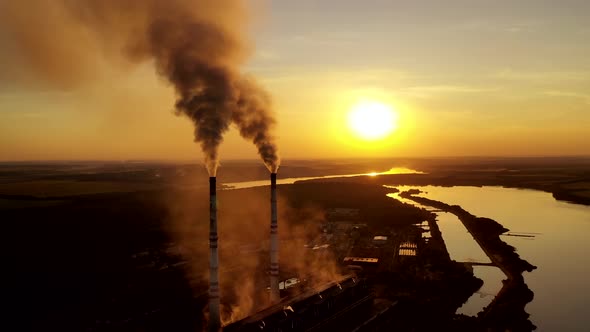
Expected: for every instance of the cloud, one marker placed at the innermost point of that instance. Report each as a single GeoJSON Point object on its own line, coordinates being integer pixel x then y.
{"type": "Point", "coordinates": [266, 55]}
{"type": "Point", "coordinates": [429, 91]}
{"type": "Point", "coordinates": [283, 74]}
{"type": "Point", "coordinates": [495, 26]}
{"type": "Point", "coordinates": [538, 76]}
{"type": "Point", "coordinates": [569, 94]}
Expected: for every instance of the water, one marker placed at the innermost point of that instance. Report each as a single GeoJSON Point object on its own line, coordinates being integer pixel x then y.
{"type": "Point", "coordinates": [261, 183]}
{"type": "Point", "coordinates": [559, 248]}
{"type": "Point", "coordinates": [484, 296]}
{"type": "Point", "coordinates": [459, 242]}
{"type": "Point", "coordinates": [462, 247]}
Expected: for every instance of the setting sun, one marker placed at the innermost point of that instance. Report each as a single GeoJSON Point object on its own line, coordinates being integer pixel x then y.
{"type": "Point", "coordinates": [372, 120]}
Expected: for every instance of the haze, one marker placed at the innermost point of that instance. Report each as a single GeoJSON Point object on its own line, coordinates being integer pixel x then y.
{"type": "Point", "coordinates": [465, 78]}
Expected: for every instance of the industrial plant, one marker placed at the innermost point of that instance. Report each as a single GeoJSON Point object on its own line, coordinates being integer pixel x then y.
{"type": "Point", "coordinates": [214, 318]}
{"type": "Point", "coordinates": [357, 298]}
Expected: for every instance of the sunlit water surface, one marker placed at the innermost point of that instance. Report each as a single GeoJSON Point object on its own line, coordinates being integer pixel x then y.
{"type": "Point", "coordinates": [261, 183]}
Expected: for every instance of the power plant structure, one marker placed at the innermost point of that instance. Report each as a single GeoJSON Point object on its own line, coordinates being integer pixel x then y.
{"type": "Point", "coordinates": [274, 242]}
{"type": "Point", "coordinates": [214, 296]}
{"type": "Point", "coordinates": [333, 306]}
{"type": "Point", "coordinates": [214, 303]}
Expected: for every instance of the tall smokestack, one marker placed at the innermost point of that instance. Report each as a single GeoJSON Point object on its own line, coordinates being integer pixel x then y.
{"type": "Point", "coordinates": [214, 311]}
{"type": "Point", "coordinates": [274, 241]}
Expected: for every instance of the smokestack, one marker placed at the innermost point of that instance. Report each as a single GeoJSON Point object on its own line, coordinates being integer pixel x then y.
{"type": "Point", "coordinates": [274, 244]}
{"type": "Point", "coordinates": [214, 311]}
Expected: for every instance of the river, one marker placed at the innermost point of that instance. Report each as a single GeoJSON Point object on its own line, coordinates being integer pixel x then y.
{"type": "Point", "coordinates": [550, 234]}
{"type": "Point", "coordinates": [462, 247]}
{"type": "Point", "coordinates": [261, 183]}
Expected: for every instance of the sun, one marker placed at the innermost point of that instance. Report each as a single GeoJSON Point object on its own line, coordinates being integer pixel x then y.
{"type": "Point", "coordinates": [372, 120]}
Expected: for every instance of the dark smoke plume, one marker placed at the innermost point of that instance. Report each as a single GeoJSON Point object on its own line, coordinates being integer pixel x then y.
{"type": "Point", "coordinates": [197, 46]}
{"type": "Point", "coordinates": [255, 122]}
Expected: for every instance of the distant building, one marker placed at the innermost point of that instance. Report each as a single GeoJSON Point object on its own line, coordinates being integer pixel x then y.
{"type": "Point", "coordinates": [408, 248]}
{"type": "Point", "coordinates": [367, 264]}
{"type": "Point", "coordinates": [380, 240]}
{"type": "Point", "coordinates": [356, 260]}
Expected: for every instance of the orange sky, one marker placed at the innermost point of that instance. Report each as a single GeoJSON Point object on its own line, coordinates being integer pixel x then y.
{"type": "Point", "coordinates": [465, 78]}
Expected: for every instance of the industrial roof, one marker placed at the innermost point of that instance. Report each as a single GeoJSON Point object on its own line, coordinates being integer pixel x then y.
{"type": "Point", "coordinates": [361, 259]}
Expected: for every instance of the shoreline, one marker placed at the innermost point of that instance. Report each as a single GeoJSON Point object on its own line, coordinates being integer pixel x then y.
{"type": "Point", "coordinates": [509, 304]}
{"type": "Point", "coordinates": [557, 188]}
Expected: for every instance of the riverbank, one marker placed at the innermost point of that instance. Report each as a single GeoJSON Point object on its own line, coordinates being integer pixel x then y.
{"type": "Point", "coordinates": [507, 310]}
{"type": "Point", "coordinates": [566, 179]}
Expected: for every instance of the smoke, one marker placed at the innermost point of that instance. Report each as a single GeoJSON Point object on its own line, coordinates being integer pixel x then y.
{"type": "Point", "coordinates": [244, 244]}
{"type": "Point", "coordinates": [255, 122]}
{"type": "Point", "coordinates": [197, 46]}
{"type": "Point", "coordinates": [300, 227]}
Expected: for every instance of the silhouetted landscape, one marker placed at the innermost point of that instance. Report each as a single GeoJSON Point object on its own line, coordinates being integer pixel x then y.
{"type": "Point", "coordinates": [121, 246]}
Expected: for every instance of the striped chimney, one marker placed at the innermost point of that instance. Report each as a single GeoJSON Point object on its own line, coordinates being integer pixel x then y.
{"type": "Point", "coordinates": [274, 241]}
{"type": "Point", "coordinates": [214, 306]}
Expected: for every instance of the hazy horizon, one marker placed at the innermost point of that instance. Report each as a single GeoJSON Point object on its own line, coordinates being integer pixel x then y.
{"type": "Point", "coordinates": [257, 160]}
